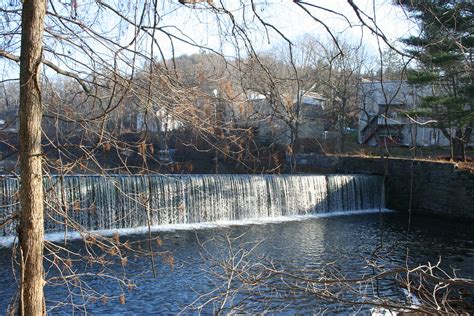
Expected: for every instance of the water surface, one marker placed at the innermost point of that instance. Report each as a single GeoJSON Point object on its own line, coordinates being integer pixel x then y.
{"type": "Point", "coordinates": [184, 262]}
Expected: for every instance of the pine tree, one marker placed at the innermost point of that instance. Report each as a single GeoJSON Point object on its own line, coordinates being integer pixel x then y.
{"type": "Point", "coordinates": [444, 53]}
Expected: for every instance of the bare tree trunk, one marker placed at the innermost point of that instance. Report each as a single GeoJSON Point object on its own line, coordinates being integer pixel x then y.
{"type": "Point", "coordinates": [458, 146]}
{"type": "Point", "coordinates": [31, 189]}
{"type": "Point", "coordinates": [342, 141]}
{"type": "Point", "coordinates": [466, 137]}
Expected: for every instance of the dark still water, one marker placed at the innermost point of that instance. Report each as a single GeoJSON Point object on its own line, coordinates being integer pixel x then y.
{"type": "Point", "coordinates": [189, 266]}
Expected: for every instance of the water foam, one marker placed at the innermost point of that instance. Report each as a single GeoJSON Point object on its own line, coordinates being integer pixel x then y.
{"type": "Point", "coordinates": [129, 203]}
{"type": "Point", "coordinates": [8, 241]}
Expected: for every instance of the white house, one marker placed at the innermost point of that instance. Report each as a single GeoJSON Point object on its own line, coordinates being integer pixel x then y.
{"type": "Point", "coordinates": [271, 121]}
{"type": "Point", "coordinates": [9, 121]}
{"type": "Point", "coordinates": [383, 115]}
{"type": "Point", "coordinates": [159, 121]}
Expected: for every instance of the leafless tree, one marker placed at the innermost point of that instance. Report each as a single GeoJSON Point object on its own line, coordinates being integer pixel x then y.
{"type": "Point", "coordinates": [96, 71]}
{"type": "Point", "coordinates": [246, 283]}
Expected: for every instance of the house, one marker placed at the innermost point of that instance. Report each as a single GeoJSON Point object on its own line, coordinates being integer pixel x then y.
{"type": "Point", "coordinates": [158, 121]}
{"type": "Point", "coordinates": [273, 123]}
{"type": "Point", "coordinates": [312, 116]}
{"type": "Point", "coordinates": [9, 121]}
{"type": "Point", "coordinates": [383, 115]}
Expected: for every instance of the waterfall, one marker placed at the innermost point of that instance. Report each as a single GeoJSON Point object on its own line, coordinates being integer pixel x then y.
{"type": "Point", "coordinates": [108, 202]}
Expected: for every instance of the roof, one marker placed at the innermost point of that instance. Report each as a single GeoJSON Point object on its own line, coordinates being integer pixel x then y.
{"type": "Point", "coordinates": [313, 95]}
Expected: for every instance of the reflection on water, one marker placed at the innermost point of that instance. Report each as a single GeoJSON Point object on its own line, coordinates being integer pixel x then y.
{"type": "Point", "coordinates": [347, 242]}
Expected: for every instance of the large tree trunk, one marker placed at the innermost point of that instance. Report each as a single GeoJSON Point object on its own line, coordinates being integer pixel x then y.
{"type": "Point", "coordinates": [31, 232]}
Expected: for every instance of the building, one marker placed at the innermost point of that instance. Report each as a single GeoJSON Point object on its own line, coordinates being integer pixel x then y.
{"type": "Point", "coordinates": [273, 123]}
{"type": "Point", "coordinates": [384, 115]}
{"type": "Point", "coordinates": [9, 121]}
{"type": "Point", "coordinates": [156, 121]}
{"type": "Point", "coordinates": [313, 121]}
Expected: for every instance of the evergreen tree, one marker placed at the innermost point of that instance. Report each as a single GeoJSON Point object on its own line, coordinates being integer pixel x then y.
{"type": "Point", "coordinates": [444, 50]}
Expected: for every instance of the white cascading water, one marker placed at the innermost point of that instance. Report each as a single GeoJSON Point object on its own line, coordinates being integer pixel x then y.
{"type": "Point", "coordinates": [98, 202]}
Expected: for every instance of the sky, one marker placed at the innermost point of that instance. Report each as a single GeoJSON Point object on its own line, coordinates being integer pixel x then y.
{"type": "Point", "coordinates": [294, 22]}
{"type": "Point", "coordinates": [212, 29]}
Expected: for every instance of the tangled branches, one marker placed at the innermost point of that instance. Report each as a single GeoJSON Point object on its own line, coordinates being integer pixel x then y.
{"type": "Point", "coordinates": [246, 283]}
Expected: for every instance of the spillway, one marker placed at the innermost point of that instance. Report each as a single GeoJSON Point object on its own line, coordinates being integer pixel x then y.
{"type": "Point", "coordinates": [110, 202]}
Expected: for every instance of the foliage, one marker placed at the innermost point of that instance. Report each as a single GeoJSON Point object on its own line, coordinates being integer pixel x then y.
{"type": "Point", "coordinates": [444, 50]}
